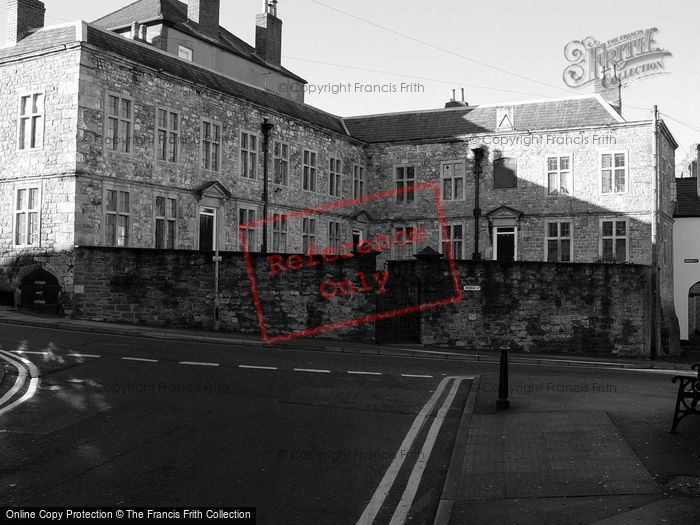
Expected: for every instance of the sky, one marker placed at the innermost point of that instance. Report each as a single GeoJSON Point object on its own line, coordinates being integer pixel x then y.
{"type": "Point", "coordinates": [499, 51]}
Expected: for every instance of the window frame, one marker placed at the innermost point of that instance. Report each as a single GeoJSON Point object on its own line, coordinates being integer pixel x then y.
{"type": "Point", "coordinates": [335, 174]}
{"type": "Point", "coordinates": [313, 169]}
{"type": "Point", "coordinates": [308, 238]}
{"type": "Point", "coordinates": [614, 238]}
{"type": "Point", "coordinates": [219, 144]}
{"type": "Point", "coordinates": [280, 160]}
{"type": "Point", "coordinates": [335, 242]}
{"type": "Point", "coordinates": [402, 197]}
{"type": "Point", "coordinates": [359, 175]}
{"type": "Point", "coordinates": [244, 153]}
{"type": "Point", "coordinates": [26, 212]}
{"type": "Point", "coordinates": [612, 169]}
{"type": "Point", "coordinates": [397, 250]}
{"type": "Point", "coordinates": [40, 130]}
{"type": "Point", "coordinates": [453, 177]}
{"type": "Point", "coordinates": [462, 241]}
{"type": "Point", "coordinates": [169, 148]}
{"type": "Point", "coordinates": [170, 221]}
{"type": "Point", "coordinates": [255, 245]}
{"type": "Point", "coordinates": [280, 231]}
{"type": "Point", "coordinates": [117, 214]}
{"type": "Point", "coordinates": [559, 238]}
{"type": "Point", "coordinates": [120, 120]}
{"type": "Point", "coordinates": [558, 171]}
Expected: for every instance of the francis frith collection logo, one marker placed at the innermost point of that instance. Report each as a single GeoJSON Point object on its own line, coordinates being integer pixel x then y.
{"type": "Point", "coordinates": [628, 57]}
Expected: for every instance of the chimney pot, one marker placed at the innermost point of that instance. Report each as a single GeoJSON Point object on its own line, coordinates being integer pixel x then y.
{"type": "Point", "coordinates": [22, 17]}
{"type": "Point", "coordinates": [268, 34]}
{"type": "Point", "coordinates": [454, 103]}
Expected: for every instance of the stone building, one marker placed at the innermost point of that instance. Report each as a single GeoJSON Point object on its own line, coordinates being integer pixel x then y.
{"type": "Point", "coordinates": [150, 127]}
{"type": "Point", "coordinates": [686, 257]}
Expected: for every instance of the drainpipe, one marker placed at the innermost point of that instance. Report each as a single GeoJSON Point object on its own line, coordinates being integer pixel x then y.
{"type": "Point", "coordinates": [267, 128]}
{"type": "Point", "coordinates": [654, 350]}
{"type": "Point", "coordinates": [478, 157]}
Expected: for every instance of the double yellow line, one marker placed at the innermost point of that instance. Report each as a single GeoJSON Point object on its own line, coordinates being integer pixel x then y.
{"type": "Point", "coordinates": [402, 509]}
{"type": "Point", "coordinates": [27, 376]}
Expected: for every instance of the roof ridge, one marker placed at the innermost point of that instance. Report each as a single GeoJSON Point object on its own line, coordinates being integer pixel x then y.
{"type": "Point", "coordinates": [490, 105]}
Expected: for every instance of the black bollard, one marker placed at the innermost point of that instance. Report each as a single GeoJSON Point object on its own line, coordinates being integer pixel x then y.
{"type": "Point", "coordinates": [503, 403]}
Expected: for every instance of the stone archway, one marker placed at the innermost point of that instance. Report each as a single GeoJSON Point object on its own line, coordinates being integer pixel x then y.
{"type": "Point", "coordinates": [40, 292]}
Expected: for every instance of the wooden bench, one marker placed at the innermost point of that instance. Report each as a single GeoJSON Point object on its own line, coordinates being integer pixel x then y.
{"type": "Point", "coordinates": [688, 397]}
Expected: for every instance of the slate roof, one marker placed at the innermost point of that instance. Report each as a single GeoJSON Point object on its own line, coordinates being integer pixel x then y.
{"type": "Point", "coordinates": [58, 36]}
{"type": "Point", "coordinates": [688, 203]}
{"type": "Point", "coordinates": [174, 13]}
{"type": "Point", "coordinates": [452, 122]}
{"type": "Point", "coordinates": [418, 125]}
{"type": "Point", "coordinates": [149, 56]}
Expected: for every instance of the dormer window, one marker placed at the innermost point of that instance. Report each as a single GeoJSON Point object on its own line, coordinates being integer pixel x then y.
{"type": "Point", "coordinates": [184, 52]}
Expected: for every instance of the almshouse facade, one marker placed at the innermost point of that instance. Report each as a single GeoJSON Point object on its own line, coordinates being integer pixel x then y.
{"type": "Point", "coordinates": [115, 138]}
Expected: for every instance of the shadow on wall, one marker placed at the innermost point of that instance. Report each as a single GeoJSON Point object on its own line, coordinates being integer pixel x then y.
{"type": "Point", "coordinates": [523, 221]}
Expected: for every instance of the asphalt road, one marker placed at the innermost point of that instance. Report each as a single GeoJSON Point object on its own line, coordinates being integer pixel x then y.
{"type": "Point", "coordinates": [305, 437]}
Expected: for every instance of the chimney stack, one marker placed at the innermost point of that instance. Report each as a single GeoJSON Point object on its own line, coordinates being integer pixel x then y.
{"type": "Point", "coordinates": [206, 14]}
{"type": "Point", "coordinates": [454, 103]}
{"type": "Point", "coordinates": [23, 16]}
{"type": "Point", "coordinates": [611, 91]}
{"type": "Point", "coordinates": [268, 34]}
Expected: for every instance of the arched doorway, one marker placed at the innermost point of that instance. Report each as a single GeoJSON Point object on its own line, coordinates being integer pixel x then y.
{"type": "Point", "coordinates": [694, 312]}
{"type": "Point", "coordinates": [39, 292]}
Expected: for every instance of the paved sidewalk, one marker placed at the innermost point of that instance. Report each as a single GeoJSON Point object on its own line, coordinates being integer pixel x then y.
{"type": "Point", "coordinates": [603, 458]}
{"type": "Point", "coordinates": [11, 316]}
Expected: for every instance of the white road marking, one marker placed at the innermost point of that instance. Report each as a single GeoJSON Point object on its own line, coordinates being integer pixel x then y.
{"type": "Point", "coordinates": [404, 506]}
{"type": "Point", "coordinates": [685, 373]}
{"type": "Point", "coordinates": [416, 376]}
{"type": "Point", "coordinates": [21, 376]}
{"type": "Point", "coordinates": [30, 353]}
{"type": "Point", "coordinates": [375, 504]}
{"type": "Point", "coordinates": [33, 382]}
{"type": "Point", "coordinates": [194, 363]}
{"type": "Point", "coordinates": [87, 356]}
{"type": "Point", "coordinates": [364, 373]}
{"type": "Point", "coordinates": [139, 359]}
{"type": "Point", "coordinates": [312, 371]}
{"type": "Point", "coordinates": [253, 367]}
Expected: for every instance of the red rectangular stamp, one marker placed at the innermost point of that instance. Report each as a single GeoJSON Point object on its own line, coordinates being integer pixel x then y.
{"type": "Point", "coordinates": [278, 266]}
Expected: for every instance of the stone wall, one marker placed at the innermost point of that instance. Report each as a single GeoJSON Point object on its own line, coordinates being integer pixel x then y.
{"type": "Point", "coordinates": [176, 289]}
{"type": "Point", "coordinates": [597, 309]}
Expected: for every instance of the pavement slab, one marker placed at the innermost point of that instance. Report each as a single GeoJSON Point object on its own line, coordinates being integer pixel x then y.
{"type": "Point", "coordinates": [553, 454]}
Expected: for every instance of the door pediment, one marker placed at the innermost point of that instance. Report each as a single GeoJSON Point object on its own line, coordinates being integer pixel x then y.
{"type": "Point", "coordinates": [504, 216]}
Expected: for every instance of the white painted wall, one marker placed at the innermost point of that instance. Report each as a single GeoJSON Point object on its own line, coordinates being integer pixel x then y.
{"type": "Point", "coordinates": [686, 245]}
